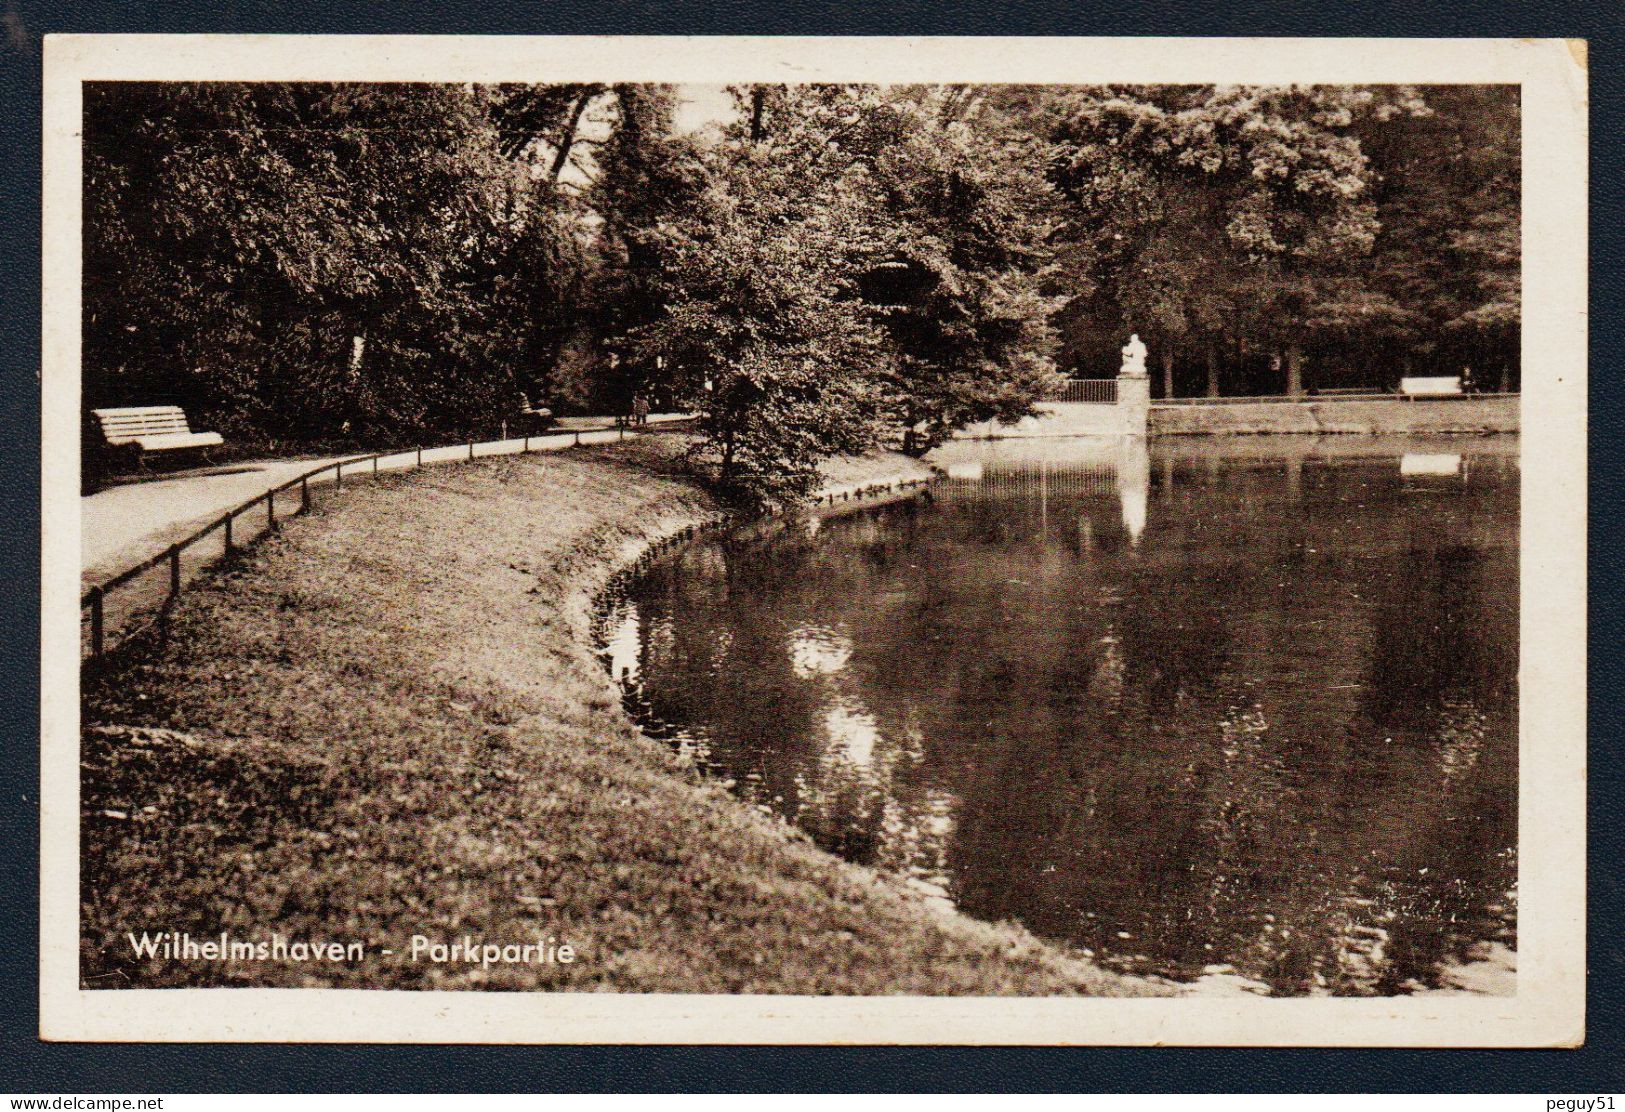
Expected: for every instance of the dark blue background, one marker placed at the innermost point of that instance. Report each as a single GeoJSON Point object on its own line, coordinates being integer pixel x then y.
{"type": "Point", "coordinates": [28, 1066]}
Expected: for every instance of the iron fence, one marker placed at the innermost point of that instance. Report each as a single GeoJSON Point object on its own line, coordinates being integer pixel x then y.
{"type": "Point", "coordinates": [1093, 391]}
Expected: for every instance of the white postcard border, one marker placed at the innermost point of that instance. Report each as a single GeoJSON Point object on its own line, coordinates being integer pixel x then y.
{"type": "Point", "coordinates": [1548, 1009]}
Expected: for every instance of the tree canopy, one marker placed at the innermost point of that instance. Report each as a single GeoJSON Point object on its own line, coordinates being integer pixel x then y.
{"type": "Point", "coordinates": [836, 267]}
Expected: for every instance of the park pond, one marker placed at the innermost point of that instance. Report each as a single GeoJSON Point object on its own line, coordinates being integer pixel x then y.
{"type": "Point", "coordinates": [1239, 712]}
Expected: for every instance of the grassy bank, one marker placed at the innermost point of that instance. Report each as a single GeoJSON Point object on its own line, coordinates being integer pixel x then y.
{"type": "Point", "coordinates": [388, 721]}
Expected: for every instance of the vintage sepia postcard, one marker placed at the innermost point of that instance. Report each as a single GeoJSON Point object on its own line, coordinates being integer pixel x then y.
{"type": "Point", "coordinates": [776, 540]}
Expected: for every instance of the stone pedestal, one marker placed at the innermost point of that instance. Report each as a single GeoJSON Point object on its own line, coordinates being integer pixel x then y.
{"type": "Point", "coordinates": [1134, 403]}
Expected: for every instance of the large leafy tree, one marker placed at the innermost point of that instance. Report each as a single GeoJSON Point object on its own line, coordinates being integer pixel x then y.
{"type": "Point", "coordinates": [862, 262]}
{"type": "Point", "coordinates": [1207, 214]}
{"type": "Point", "coordinates": [760, 328]}
{"type": "Point", "coordinates": [648, 177]}
{"type": "Point", "coordinates": [1448, 249]}
{"type": "Point", "coordinates": [964, 218]}
{"type": "Point", "coordinates": [361, 262]}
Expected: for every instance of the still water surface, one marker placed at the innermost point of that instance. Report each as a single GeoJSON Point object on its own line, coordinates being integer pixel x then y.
{"type": "Point", "coordinates": [1241, 711]}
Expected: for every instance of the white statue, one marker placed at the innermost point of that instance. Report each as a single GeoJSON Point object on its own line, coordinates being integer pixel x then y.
{"type": "Point", "coordinates": [1134, 357]}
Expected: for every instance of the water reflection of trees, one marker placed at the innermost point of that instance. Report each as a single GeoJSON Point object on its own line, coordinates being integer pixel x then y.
{"type": "Point", "coordinates": [1277, 735]}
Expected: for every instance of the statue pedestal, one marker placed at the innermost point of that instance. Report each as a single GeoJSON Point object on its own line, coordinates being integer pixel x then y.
{"type": "Point", "coordinates": [1134, 403]}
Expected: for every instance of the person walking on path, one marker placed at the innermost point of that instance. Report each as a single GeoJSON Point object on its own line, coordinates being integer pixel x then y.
{"type": "Point", "coordinates": [640, 409]}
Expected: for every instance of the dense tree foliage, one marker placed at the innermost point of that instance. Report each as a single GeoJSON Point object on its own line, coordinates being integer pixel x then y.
{"type": "Point", "coordinates": [1247, 232]}
{"type": "Point", "coordinates": [833, 268]}
{"type": "Point", "coordinates": [314, 261]}
{"type": "Point", "coordinates": [1448, 248]}
{"type": "Point", "coordinates": [859, 267]}
{"type": "Point", "coordinates": [766, 339]}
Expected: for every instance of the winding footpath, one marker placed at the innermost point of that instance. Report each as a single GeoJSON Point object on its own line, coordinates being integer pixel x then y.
{"type": "Point", "coordinates": [125, 524]}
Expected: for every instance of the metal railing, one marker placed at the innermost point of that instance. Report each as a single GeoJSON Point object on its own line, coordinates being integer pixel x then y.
{"type": "Point", "coordinates": [1093, 391]}
{"type": "Point", "coordinates": [262, 516]}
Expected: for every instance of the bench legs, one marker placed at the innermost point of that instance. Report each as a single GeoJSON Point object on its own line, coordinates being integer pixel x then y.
{"type": "Point", "coordinates": [206, 454]}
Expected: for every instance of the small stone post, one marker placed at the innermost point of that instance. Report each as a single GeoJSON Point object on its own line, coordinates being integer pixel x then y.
{"type": "Point", "coordinates": [1134, 389]}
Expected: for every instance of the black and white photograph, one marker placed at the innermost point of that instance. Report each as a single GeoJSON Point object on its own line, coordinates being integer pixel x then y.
{"type": "Point", "coordinates": [896, 545]}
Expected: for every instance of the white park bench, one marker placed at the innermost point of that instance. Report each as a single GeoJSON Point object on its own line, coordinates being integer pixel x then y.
{"type": "Point", "coordinates": [1430, 387]}
{"type": "Point", "coordinates": [152, 428]}
{"type": "Point", "coordinates": [537, 417]}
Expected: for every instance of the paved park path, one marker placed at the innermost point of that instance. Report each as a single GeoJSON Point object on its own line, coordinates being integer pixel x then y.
{"type": "Point", "coordinates": [125, 524]}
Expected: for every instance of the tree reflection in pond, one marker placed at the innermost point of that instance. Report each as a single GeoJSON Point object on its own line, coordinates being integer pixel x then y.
{"type": "Point", "coordinates": [1243, 710]}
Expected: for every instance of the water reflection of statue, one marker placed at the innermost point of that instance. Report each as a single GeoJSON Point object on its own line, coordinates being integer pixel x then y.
{"type": "Point", "coordinates": [1133, 484]}
{"type": "Point", "coordinates": [1133, 357]}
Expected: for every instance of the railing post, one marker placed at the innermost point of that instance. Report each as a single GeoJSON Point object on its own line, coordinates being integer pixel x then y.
{"type": "Point", "coordinates": [304, 494]}
{"type": "Point", "coordinates": [578, 438]}
{"type": "Point", "coordinates": [270, 510]}
{"type": "Point", "coordinates": [338, 475]}
{"type": "Point", "coordinates": [174, 571]}
{"type": "Point", "coordinates": [229, 520]}
{"type": "Point", "coordinates": [470, 449]}
{"type": "Point", "coordinates": [527, 444]}
{"type": "Point", "coordinates": [96, 634]}
{"type": "Point", "coordinates": [375, 465]}
{"type": "Point", "coordinates": [420, 455]}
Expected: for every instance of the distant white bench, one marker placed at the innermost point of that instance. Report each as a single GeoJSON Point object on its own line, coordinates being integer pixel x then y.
{"type": "Point", "coordinates": [1430, 387]}
{"type": "Point", "coordinates": [152, 428]}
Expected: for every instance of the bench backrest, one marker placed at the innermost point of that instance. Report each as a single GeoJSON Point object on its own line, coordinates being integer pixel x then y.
{"type": "Point", "coordinates": [121, 426]}
{"type": "Point", "coordinates": [1449, 384]}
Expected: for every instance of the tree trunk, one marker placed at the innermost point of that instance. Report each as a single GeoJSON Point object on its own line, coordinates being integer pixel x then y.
{"type": "Point", "coordinates": [1212, 369]}
{"type": "Point", "coordinates": [1505, 385]}
{"type": "Point", "coordinates": [567, 136]}
{"type": "Point", "coordinates": [1294, 371]}
{"type": "Point", "coordinates": [1168, 371]}
{"type": "Point", "coordinates": [758, 110]}
{"type": "Point", "coordinates": [354, 404]}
